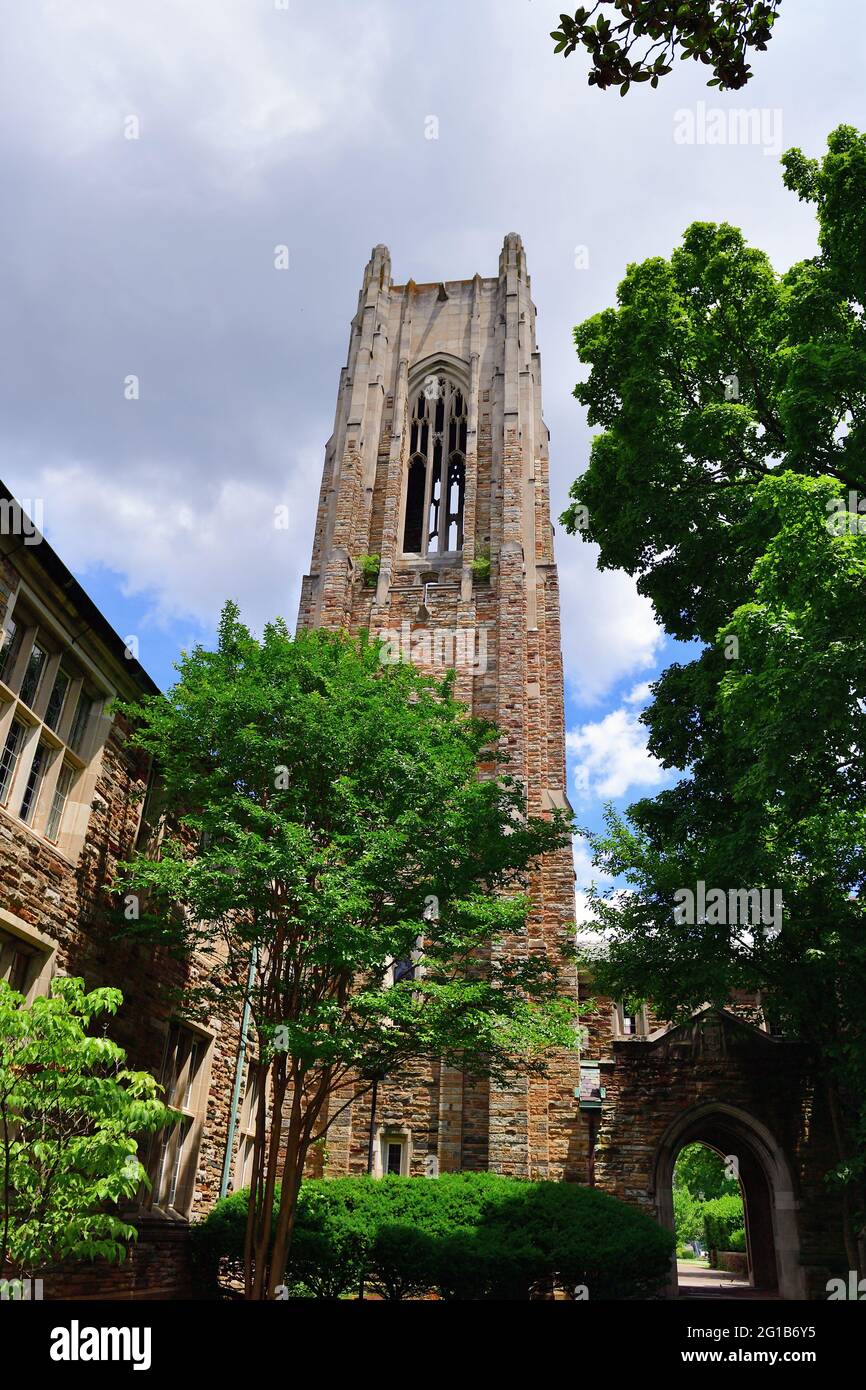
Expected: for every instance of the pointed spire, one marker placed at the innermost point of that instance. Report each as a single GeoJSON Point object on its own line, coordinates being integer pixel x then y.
{"type": "Point", "coordinates": [378, 269]}
{"type": "Point", "coordinates": [513, 256]}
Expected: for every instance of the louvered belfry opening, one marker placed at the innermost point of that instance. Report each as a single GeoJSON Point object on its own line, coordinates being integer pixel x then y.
{"type": "Point", "coordinates": [436, 482]}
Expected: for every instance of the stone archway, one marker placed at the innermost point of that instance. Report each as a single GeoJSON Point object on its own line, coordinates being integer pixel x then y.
{"type": "Point", "coordinates": [768, 1190]}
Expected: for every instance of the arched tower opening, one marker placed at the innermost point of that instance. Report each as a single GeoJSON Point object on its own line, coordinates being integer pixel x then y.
{"type": "Point", "coordinates": [436, 476]}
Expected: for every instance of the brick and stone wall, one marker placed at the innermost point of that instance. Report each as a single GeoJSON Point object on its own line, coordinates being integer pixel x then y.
{"type": "Point", "coordinates": [68, 905]}
{"type": "Point", "coordinates": [752, 1097]}
{"type": "Point", "coordinates": [481, 334]}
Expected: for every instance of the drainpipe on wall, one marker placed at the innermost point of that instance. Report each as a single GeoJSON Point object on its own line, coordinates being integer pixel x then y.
{"type": "Point", "coordinates": [371, 1139]}
{"type": "Point", "coordinates": [239, 1072]}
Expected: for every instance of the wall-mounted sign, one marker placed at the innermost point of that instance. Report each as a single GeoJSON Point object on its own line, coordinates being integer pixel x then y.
{"type": "Point", "coordinates": [591, 1090]}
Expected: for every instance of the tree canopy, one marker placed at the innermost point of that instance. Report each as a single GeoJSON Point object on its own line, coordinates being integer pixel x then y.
{"type": "Point", "coordinates": [727, 481]}
{"type": "Point", "coordinates": [702, 1172]}
{"type": "Point", "coordinates": [718, 33]}
{"type": "Point", "coordinates": [71, 1120]}
{"type": "Point", "coordinates": [347, 847]}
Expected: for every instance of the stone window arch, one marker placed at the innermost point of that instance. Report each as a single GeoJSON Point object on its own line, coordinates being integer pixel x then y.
{"type": "Point", "coordinates": [436, 476]}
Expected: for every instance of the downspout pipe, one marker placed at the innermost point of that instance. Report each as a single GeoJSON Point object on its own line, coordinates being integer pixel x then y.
{"type": "Point", "coordinates": [239, 1075]}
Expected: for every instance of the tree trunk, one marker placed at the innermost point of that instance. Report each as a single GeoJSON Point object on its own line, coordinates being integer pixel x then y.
{"type": "Point", "coordinates": [852, 1249]}
{"type": "Point", "coordinates": [296, 1153]}
{"type": "Point", "coordinates": [259, 1148]}
{"type": "Point", "coordinates": [263, 1233]}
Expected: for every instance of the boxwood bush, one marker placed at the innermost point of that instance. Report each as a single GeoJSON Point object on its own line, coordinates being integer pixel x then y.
{"type": "Point", "coordinates": [460, 1236]}
{"type": "Point", "coordinates": [723, 1220]}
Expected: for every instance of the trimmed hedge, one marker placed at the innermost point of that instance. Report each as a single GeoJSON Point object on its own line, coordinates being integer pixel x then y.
{"type": "Point", "coordinates": [459, 1236]}
{"type": "Point", "coordinates": [723, 1220]}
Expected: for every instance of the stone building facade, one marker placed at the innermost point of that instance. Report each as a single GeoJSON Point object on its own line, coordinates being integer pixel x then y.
{"type": "Point", "coordinates": [433, 529]}
{"type": "Point", "coordinates": [72, 805]}
{"type": "Point", "coordinates": [438, 470]}
{"type": "Point", "coordinates": [756, 1099]}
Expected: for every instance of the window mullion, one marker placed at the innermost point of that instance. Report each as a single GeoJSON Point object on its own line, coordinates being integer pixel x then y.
{"type": "Point", "coordinates": [428, 478]}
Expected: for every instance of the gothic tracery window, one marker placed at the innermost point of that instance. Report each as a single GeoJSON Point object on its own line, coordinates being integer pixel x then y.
{"type": "Point", "coordinates": [436, 482]}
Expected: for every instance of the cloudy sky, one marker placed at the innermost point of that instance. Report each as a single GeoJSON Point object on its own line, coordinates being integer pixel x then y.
{"type": "Point", "coordinates": [152, 157]}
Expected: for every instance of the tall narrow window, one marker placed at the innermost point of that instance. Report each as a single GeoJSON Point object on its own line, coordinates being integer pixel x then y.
{"type": "Point", "coordinates": [178, 1143]}
{"type": "Point", "coordinates": [454, 503]}
{"type": "Point", "coordinates": [33, 674]}
{"type": "Point", "coordinates": [80, 722]}
{"type": "Point", "coordinates": [9, 648]}
{"type": "Point", "coordinates": [41, 759]}
{"type": "Point", "coordinates": [256, 1077]}
{"type": "Point", "coordinates": [58, 801]}
{"type": "Point", "coordinates": [436, 483]}
{"type": "Point", "coordinates": [414, 532]}
{"type": "Point", "coordinates": [628, 1023]}
{"type": "Point", "coordinates": [150, 830]}
{"type": "Point", "coordinates": [57, 699]}
{"type": "Point", "coordinates": [9, 757]}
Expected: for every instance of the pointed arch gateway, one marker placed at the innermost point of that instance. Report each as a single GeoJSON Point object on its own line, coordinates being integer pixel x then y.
{"type": "Point", "coordinates": [435, 487]}
{"type": "Point", "coordinates": [768, 1191]}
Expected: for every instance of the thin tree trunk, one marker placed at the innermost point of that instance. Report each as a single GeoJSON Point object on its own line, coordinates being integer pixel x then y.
{"type": "Point", "coordinates": [296, 1153]}
{"type": "Point", "coordinates": [263, 1234]}
{"type": "Point", "coordinates": [851, 1242]}
{"type": "Point", "coordinates": [302, 1122]}
{"type": "Point", "coordinates": [259, 1148]}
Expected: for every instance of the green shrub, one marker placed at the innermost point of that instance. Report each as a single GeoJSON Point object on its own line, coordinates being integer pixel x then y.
{"type": "Point", "coordinates": [688, 1215]}
{"type": "Point", "coordinates": [464, 1236]}
{"type": "Point", "coordinates": [737, 1239]}
{"type": "Point", "coordinates": [72, 1118]}
{"type": "Point", "coordinates": [369, 565]}
{"type": "Point", "coordinates": [722, 1217]}
{"type": "Point", "coordinates": [219, 1237]}
{"type": "Point", "coordinates": [481, 566]}
{"type": "Point", "coordinates": [329, 1246]}
{"type": "Point", "coordinates": [586, 1237]}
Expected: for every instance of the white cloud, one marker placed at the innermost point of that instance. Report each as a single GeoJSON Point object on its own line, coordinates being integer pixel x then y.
{"type": "Point", "coordinates": [610, 757]}
{"type": "Point", "coordinates": [184, 550]}
{"type": "Point", "coordinates": [240, 82]}
{"type": "Point", "coordinates": [149, 257]}
{"type": "Point", "coordinates": [585, 874]}
{"type": "Point", "coordinates": [608, 628]}
{"type": "Point", "coordinates": [639, 695]}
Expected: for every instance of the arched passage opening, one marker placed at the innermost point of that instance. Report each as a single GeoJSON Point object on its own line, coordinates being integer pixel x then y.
{"type": "Point", "coordinates": [702, 1176]}
{"type": "Point", "coordinates": [772, 1236]}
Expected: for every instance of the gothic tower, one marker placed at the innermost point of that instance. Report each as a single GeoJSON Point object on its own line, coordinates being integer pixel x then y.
{"type": "Point", "coordinates": [438, 466]}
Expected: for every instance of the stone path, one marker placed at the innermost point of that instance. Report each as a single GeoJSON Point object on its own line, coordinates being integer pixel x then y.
{"type": "Point", "coordinates": [696, 1282]}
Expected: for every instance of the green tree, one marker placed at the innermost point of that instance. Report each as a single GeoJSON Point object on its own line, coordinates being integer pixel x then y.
{"type": "Point", "coordinates": [688, 1215]}
{"type": "Point", "coordinates": [343, 830]}
{"type": "Point", "coordinates": [723, 1223]}
{"type": "Point", "coordinates": [71, 1114]}
{"type": "Point", "coordinates": [733, 407]}
{"type": "Point", "coordinates": [701, 1171]}
{"type": "Point", "coordinates": [717, 33]}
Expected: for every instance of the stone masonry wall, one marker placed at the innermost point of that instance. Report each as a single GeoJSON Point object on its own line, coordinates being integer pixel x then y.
{"type": "Point", "coordinates": [70, 904]}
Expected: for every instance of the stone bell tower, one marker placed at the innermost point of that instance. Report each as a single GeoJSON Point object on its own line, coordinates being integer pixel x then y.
{"type": "Point", "coordinates": [438, 459]}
